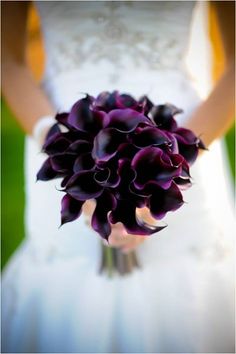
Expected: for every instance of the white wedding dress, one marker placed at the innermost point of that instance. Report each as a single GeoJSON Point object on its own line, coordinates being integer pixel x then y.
{"type": "Point", "coordinates": [182, 299]}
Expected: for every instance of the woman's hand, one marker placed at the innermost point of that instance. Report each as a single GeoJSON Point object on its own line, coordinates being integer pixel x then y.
{"type": "Point", "coordinates": [119, 238]}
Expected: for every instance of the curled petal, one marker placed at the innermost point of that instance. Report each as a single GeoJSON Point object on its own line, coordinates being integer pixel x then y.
{"type": "Point", "coordinates": [162, 201]}
{"type": "Point", "coordinates": [106, 101]}
{"type": "Point", "coordinates": [100, 223]}
{"type": "Point", "coordinates": [183, 183]}
{"type": "Point", "coordinates": [53, 132]}
{"type": "Point", "coordinates": [127, 150]}
{"type": "Point", "coordinates": [152, 164]}
{"type": "Point", "coordinates": [185, 173]}
{"type": "Point", "coordinates": [84, 118]}
{"type": "Point", "coordinates": [126, 101]}
{"type": "Point", "coordinates": [83, 162]}
{"type": "Point", "coordinates": [46, 172]}
{"type": "Point", "coordinates": [125, 212]}
{"type": "Point", "coordinates": [74, 135]}
{"type": "Point", "coordinates": [65, 180]}
{"type": "Point", "coordinates": [188, 151]}
{"type": "Point", "coordinates": [127, 175]}
{"type": "Point", "coordinates": [55, 144]}
{"type": "Point", "coordinates": [125, 120]}
{"type": "Point", "coordinates": [201, 145]}
{"type": "Point", "coordinates": [163, 116]}
{"type": "Point", "coordinates": [106, 144]}
{"type": "Point", "coordinates": [114, 178]}
{"type": "Point", "coordinates": [172, 146]}
{"type": "Point", "coordinates": [70, 209]}
{"type": "Point", "coordinates": [63, 162]}
{"type": "Point", "coordinates": [82, 186]}
{"type": "Point", "coordinates": [150, 136]}
{"type": "Point", "coordinates": [121, 176]}
{"type": "Point", "coordinates": [146, 103]}
{"type": "Point", "coordinates": [62, 118]}
{"type": "Point", "coordinates": [102, 176]}
{"type": "Point", "coordinates": [186, 136]}
{"type": "Point", "coordinates": [189, 144]}
{"type": "Point", "coordinates": [80, 146]}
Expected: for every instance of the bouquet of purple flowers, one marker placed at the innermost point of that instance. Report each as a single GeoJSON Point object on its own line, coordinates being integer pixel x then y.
{"type": "Point", "coordinates": [124, 154]}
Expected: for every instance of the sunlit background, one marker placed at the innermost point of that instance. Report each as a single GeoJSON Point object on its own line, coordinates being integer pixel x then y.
{"type": "Point", "coordinates": [13, 137]}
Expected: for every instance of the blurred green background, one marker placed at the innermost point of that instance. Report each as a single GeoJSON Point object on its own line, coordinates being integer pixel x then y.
{"type": "Point", "coordinates": [12, 210]}
{"type": "Point", "coordinates": [12, 183]}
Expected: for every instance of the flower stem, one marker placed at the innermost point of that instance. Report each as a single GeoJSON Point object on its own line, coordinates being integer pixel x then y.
{"type": "Point", "coordinates": [114, 260]}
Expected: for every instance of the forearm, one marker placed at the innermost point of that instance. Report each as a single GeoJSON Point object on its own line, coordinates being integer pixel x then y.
{"type": "Point", "coordinates": [215, 115]}
{"type": "Point", "coordinates": [26, 99]}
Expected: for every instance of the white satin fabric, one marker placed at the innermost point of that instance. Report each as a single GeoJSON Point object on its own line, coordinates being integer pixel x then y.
{"type": "Point", "coordinates": [182, 298]}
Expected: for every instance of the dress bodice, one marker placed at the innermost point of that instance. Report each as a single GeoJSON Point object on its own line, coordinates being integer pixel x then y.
{"type": "Point", "coordinates": [96, 45]}
{"type": "Point", "coordinates": [148, 35]}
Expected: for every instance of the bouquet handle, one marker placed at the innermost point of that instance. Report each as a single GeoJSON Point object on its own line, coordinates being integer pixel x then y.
{"type": "Point", "coordinates": [113, 260]}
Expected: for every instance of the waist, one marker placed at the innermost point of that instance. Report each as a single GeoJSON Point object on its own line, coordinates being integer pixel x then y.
{"type": "Point", "coordinates": [171, 86]}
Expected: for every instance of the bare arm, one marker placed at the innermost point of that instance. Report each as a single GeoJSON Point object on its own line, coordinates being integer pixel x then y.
{"type": "Point", "coordinates": [25, 98]}
{"type": "Point", "coordinates": [215, 115]}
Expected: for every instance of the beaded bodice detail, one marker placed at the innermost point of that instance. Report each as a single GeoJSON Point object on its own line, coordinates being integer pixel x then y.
{"type": "Point", "coordinates": [120, 37]}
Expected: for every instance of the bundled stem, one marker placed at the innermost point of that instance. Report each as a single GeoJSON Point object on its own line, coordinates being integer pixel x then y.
{"type": "Point", "coordinates": [113, 260]}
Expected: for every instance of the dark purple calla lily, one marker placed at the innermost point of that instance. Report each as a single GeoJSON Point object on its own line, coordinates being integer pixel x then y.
{"type": "Point", "coordinates": [125, 212]}
{"type": "Point", "coordinates": [62, 118]}
{"type": "Point", "coordinates": [83, 162]}
{"type": "Point", "coordinates": [46, 172]}
{"type": "Point", "coordinates": [70, 209]}
{"type": "Point", "coordinates": [150, 136]}
{"type": "Point", "coordinates": [127, 101]}
{"type": "Point", "coordinates": [63, 162]}
{"type": "Point", "coordinates": [106, 144]}
{"type": "Point", "coordinates": [125, 154]}
{"type": "Point", "coordinates": [124, 120]}
{"type": "Point", "coordinates": [153, 164]}
{"type": "Point", "coordinates": [188, 144]}
{"type": "Point", "coordinates": [107, 101]}
{"type": "Point", "coordinates": [55, 144]}
{"type": "Point", "coordinates": [80, 147]}
{"type": "Point", "coordinates": [83, 186]}
{"type": "Point", "coordinates": [53, 132]}
{"type": "Point", "coordinates": [84, 118]}
{"type": "Point", "coordinates": [127, 176]}
{"type": "Point", "coordinates": [163, 116]}
{"type": "Point", "coordinates": [146, 103]}
{"type": "Point", "coordinates": [162, 201]}
{"type": "Point", "coordinates": [100, 223]}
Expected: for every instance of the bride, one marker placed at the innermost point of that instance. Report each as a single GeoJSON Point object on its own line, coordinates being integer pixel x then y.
{"type": "Point", "coordinates": [181, 299]}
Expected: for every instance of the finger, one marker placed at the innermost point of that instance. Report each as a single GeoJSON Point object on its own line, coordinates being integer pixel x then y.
{"type": "Point", "coordinates": [120, 238]}
{"type": "Point", "coordinates": [127, 241]}
{"type": "Point", "coordinates": [89, 207]}
{"type": "Point", "coordinates": [117, 240]}
{"type": "Point", "coordinates": [131, 246]}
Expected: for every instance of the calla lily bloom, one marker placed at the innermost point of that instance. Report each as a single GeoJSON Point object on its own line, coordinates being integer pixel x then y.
{"type": "Point", "coordinates": [124, 154]}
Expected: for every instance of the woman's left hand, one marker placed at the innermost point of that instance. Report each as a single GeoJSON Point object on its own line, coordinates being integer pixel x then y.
{"type": "Point", "coordinates": [119, 237]}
